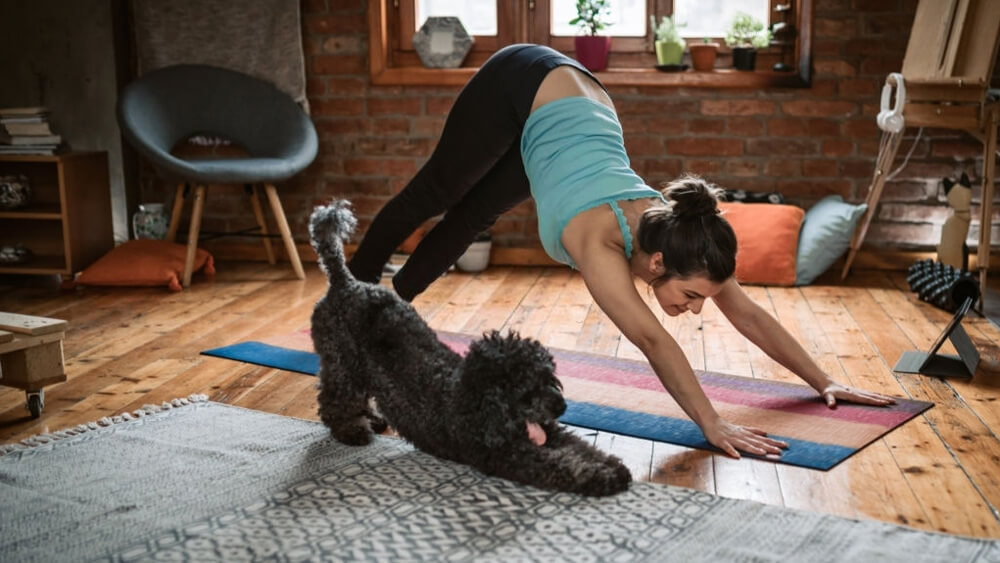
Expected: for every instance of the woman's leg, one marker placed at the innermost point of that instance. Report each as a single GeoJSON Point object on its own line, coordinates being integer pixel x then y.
{"type": "Point", "coordinates": [480, 129]}
{"type": "Point", "coordinates": [501, 189]}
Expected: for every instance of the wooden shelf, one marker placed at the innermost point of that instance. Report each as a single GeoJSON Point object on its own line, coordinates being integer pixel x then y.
{"type": "Point", "coordinates": [67, 226]}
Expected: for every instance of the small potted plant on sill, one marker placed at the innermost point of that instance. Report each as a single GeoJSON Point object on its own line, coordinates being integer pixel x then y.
{"type": "Point", "coordinates": [703, 54]}
{"type": "Point", "coordinates": [592, 49]}
{"type": "Point", "coordinates": [477, 257]}
{"type": "Point", "coordinates": [667, 41]}
{"type": "Point", "coordinates": [746, 34]}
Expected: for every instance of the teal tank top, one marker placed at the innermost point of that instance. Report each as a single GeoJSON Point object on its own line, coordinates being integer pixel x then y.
{"type": "Point", "coordinates": [574, 156]}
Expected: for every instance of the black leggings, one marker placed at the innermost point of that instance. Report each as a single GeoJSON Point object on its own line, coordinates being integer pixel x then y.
{"type": "Point", "coordinates": [474, 175]}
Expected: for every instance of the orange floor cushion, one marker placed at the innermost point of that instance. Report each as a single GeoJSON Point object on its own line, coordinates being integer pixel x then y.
{"type": "Point", "coordinates": [767, 238]}
{"type": "Point", "coordinates": [144, 263]}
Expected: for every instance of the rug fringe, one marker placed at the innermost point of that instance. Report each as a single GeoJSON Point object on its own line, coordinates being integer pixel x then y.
{"type": "Point", "coordinates": [48, 437]}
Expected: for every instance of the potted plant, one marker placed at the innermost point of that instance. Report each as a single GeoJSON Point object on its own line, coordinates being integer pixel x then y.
{"type": "Point", "coordinates": [667, 41]}
{"type": "Point", "coordinates": [703, 54]}
{"type": "Point", "coordinates": [746, 34]}
{"type": "Point", "coordinates": [477, 257]}
{"type": "Point", "coordinates": [592, 49]}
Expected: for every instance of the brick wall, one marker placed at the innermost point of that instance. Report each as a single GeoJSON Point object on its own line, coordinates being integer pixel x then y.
{"type": "Point", "coordinates": [804, 143]}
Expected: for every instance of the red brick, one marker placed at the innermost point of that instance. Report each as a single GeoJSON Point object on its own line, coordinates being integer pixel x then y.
{"type": "Point", "coordinates": [342, 126]}
{"type": "Point", "coordinates": [703, 167]}
{"type": "Point", "coordinates": [820, 168]}
{"type": "Point", "coordinates": [344, 45]}
{"type": "Point", "coordinates": [750, 184]}
{"type": "Point", "coordinates": [315, 87]}
{"type": "Point", "coordinates": [644, 145]}
{"type": "Point", "coordinates": [439, 105]}
{"type": "Point", "coordinates": [337, 107]}
{"type": "Point", "coordinates": [380, 166]}
{"type": "Point", "coordinates": [390, 126]}
{"type": "Point", "coordinates": [781, 147]}
{"type": "Point", "coordinates": [783, 167]}
{"type": "Point", "coordinates": [957, 149]}
{"type": "Point", "coordinates": [742, 168]}
{"type": "Point", "coordinates": [705, 146]}
{"type": "Point", "coordinates": [339, 64]}
{"type": "Point", "coordinates": [835, 67]}
{"type": "Point", "coordinates": [836, 147]}
{"type": "Point", "coordinates": [347, 86]}
{"type": "Point", "coordinates": [786, 127]}
{"type": "Point", "coordinates": [908, 190]}
{"type": "Point", "coordinates": [861, 128]}
{"type": "Point", "coordinates": [656, 107]}
{"type": "Point", "coordinates": [381, 146]}
{"type": "Point", "coordinates": [859, 87]}
{"type": "Point", "coordinates": [703, 126]}
{"type": "Point", "coordinates": [856, 168]}
{"type": "Point", "coordinates": [819, 108]}
{"type": "Point", "coordinates": [737, 107]}
{"type": "Point", "coordinates": [841, 27]}
{"type": "Point", "coordinates": [665, 125]}
{"type": "Point", "coordinates": [663, 169]}
{"type": "Point", "coordinates": [427, 126]}
{"type": "Point", "coordinates": [395, 106]}
{"type": "Point", "coordinates": [744, 126]}
{"type": "Point", "coordinates": [814, 188]}
{"type": "Point", "coordinates": [889, 25]}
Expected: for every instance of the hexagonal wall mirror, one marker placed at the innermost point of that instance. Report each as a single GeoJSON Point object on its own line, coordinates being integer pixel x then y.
{"type": "Point", "coordinates": [442, 42]}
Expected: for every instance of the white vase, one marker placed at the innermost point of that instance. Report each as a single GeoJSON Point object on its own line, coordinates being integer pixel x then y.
{"type": "Point", "coordinates": [150, 222]}
{"type": "Point", "coordinates": [476, 258]}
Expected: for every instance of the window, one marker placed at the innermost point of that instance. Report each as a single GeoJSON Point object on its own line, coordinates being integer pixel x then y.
{"type": "Point", "coordinates": [495, 23]}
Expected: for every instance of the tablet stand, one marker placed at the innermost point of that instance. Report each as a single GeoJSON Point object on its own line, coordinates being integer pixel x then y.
{"type": "Point", "coordinates": [944, 365]}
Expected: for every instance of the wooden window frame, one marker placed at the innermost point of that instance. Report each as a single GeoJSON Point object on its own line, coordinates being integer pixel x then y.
{"type": "Point", "coordinates": [392, 63]}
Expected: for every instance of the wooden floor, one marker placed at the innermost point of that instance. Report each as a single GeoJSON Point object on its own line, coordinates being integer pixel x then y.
{"type": "Point", "coordinates": [129, 347]}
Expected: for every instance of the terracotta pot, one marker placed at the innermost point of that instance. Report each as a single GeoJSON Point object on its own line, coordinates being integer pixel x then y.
{"type": "Point", "coordinates": [703, 55]}
{"type": "Point", "coordinates": [592, 51]}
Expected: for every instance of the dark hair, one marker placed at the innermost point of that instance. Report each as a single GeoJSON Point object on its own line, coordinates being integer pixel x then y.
{"type": "Point", "coordinates": [693, 237]}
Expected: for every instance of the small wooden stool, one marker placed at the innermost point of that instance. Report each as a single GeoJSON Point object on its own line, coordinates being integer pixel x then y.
{"type": "Point", "coordinates": [31, 356]}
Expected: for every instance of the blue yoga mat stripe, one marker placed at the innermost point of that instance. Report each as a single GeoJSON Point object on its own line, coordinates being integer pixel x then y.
{"type": "Point", "coordinates": [270, 356]}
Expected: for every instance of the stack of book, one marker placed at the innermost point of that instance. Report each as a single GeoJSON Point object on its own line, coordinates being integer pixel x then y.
{"type": "Point", "coordinates": [26, 130]}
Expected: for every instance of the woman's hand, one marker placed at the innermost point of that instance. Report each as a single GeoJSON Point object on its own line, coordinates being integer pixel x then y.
{"type": "Point", "coordinates": [732, 439]}
{"type": "Point", "coordinates": [834, 391]}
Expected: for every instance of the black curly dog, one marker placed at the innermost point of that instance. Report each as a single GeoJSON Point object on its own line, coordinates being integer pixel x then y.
{"type": "Point", "coordinates": [475, 411]}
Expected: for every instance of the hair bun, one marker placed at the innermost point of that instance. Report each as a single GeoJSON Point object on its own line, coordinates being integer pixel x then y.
{"type": "Point", "coordinates": [692, 197]}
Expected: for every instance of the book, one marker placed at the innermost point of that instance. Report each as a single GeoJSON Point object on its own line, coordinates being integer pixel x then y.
{"type": "Point", "coordinates": [24, 111]}
{"type": "Point", "coordinates": [16, 128]}
{"type": "Point", "coordinates": [28, 149]}
{"type": "Point", "coordinates": [30, 139]}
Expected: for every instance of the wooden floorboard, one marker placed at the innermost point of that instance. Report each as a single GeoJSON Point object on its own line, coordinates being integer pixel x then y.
{"type": "Point", "coordinates": [127, 347]}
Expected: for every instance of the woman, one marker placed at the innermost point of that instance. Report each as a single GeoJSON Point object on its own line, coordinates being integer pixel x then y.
{"type": "Point", "coordinates": [535, 123]}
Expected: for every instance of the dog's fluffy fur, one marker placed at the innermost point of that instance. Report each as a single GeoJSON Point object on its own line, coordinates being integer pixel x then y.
{"type": "Point", "coordinates": [474, 411]}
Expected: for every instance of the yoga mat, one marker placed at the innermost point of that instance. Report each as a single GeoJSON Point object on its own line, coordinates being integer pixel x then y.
{"type": "Point", "coordinates": [626, 397]}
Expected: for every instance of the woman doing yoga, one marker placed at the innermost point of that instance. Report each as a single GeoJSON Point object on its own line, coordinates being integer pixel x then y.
{"type": "Point", "coordinates": [535, 123]}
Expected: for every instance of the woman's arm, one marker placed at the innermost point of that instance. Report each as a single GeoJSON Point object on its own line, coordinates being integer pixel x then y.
{"type": "Point", "coordinates": [609, 280]}
{"type": "Point", "coordinates": [753, 322]}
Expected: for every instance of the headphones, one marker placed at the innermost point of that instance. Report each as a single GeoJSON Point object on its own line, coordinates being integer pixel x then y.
{"type": "Point", "coordinates": [891, 120]}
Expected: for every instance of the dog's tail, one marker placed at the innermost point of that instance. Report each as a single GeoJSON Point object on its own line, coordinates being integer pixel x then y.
{"type": "Point", "coordinates": [329, 227]}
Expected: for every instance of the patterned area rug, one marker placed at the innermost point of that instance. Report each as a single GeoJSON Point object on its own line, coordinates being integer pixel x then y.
{"type": "Point", "coordinates": [625, 397]}
{"type": "Point", "coordinates": [204, 481]}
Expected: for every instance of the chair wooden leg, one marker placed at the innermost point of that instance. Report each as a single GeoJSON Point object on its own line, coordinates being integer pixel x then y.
{"type": "Point", "coordinates": [986, 218]}
{"type": "Point", "coordinates": [192, 245]}
{"type": "Point", "coordinates": [286, 233]}
{"type": "Point", "coordinates": [259, 213]}
{"type": "Point", "coordinates": [883, 167]}
{"type": "Point", "coordinates": [175, 213]}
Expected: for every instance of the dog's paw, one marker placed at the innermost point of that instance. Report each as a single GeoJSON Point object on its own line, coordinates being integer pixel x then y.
{"type": "Point", "coordinates": [353, 435]}
{"type": "Point", "coordinates": [611, 478]}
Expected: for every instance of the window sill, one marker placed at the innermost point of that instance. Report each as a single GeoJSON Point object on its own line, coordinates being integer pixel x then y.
{"type": "Point", "coordinates": [719, 78]}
